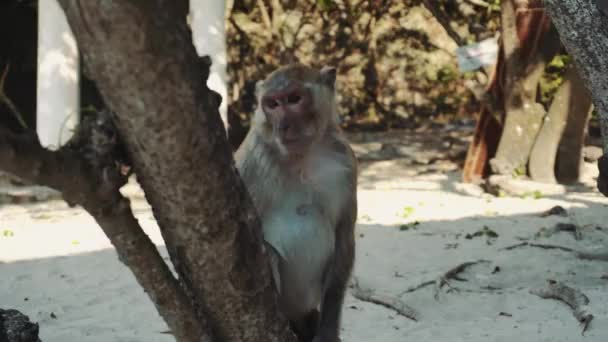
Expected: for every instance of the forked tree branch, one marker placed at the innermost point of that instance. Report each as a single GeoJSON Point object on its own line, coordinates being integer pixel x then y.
{"type": "Point", "coordinates": [141, 56]}
{"type": "Point", "coordinates": [64, 171]}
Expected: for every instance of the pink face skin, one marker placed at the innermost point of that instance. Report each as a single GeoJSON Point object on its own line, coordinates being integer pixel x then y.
{"type": "Point", "coordinates": [290, 112]}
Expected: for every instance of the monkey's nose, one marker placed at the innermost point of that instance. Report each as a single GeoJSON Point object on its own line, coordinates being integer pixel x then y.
{"type": "Point", "coordinates": [284, 126]}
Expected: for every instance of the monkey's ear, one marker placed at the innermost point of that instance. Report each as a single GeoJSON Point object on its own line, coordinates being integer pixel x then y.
{"type": "Point", "coordinates": [328, 76]}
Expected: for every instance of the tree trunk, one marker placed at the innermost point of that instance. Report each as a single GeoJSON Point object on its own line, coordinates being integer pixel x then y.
{"type": "Point", "coordinates": [570, 151]}
{"type": "Point", "coordinates": [562, 133]}
{"type": "Point", "coordinates": [482, 147]}
{"type": "Point", "coordinates": [583, 28]}
{"type": "Point", "coordinates": [529, 44]}
{"type": "Point", "coordinates": [140, 53]}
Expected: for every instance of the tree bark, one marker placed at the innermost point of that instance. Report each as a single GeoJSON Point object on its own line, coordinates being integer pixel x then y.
{"type": "Point", "coordinates": [62, 170]}
{"type": "Point", "coordinates": [17, 327]}
{"type": "Point", "coordinates": [570, 156]}
{"type": "Point", "coordinates": [140, 53]}
{"type": "Point", "coordinates": [528, 45]}
{"type": "Point", "coordinates": [562, 133]}
{"type": "Point", "coordinates": [583, 28]}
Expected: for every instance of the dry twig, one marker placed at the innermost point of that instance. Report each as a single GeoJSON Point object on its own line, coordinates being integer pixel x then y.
{"type": "Point", "coordinates": [580, 255]}
{"type": "Point", "coordinates": [8, 102]}
{"type": "Point", "coordinates": [592, 256]}
{"type": "Point", "coordinates": [443, 21]}
{"type": "Point", "coordinates": [394, 303]}
{"type": "Point", "coordinates": [574, 298]}
{"type": "Point", "coordinates": [443, 280]}
{"type": "Point", "coordinates": [539, 245]}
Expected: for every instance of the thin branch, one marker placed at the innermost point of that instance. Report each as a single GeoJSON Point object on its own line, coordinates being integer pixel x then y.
{"type": "Point", "coordinates": [62, 170]}
{"type": "Point", "coordinates": [417, 287]}
{"type": "Point", "coordinates": [7, 100]}
{"type": "Point", "coordinates": [443, 280]}
{"type": "Point", "coordinates": [574, 298]}
{"type": "Point", "coordinates": [479, 3]}
{"type": "Point", "coordinates": [592, 256]}
{"type": "Point", "coordinates": [393, 303]}
{"type": "Point", "coordinates": [453, 274]}
{"type": "Point", "coordinates": [265, 17]}
{"type": "Point", "coordinates": [539, 245]}
{"type": "Point", "coordinates": [443, 20]}
{"type": "Point", "coordinates": [581, 255]}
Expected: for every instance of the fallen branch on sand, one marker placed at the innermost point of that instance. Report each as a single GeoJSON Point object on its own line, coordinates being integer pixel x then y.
{"type": "Point", "coordinates": [580, 255]}
{"type": "Point", "coordinates": [394, 303]}
{"type": "Point", "coordinates": [574, 298]}
{"type": "Point", "coordinates": [444, 278]}
{"type": "Point", "coordinates": [592, 256]}
{"type": "Point", "coordinates": [539, 245]}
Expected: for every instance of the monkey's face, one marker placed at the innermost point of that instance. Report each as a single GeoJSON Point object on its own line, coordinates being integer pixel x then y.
{"type": "Point", "coordinates": [295, 107]}
{"type": "Point", "coordinates": [291, 117]}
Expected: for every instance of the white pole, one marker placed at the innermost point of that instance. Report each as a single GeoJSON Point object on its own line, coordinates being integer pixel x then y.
{"type": "Point", "coordinates": [58, 91]}
{"type": "Point", "coordinates": [207, 21]}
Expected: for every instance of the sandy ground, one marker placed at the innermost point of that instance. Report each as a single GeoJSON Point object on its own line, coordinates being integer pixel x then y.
{"type": "Point", "coordinates": [57, 266]}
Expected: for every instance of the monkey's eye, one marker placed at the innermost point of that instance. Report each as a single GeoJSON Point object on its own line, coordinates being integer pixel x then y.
{"type": "Point", "coordinates": [272, 104]}
{"type": "Point", "coordinates": [293, 98]}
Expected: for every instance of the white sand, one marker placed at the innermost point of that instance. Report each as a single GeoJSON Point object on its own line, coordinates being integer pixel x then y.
{"type": "Point", "coordinates": [58, 267]}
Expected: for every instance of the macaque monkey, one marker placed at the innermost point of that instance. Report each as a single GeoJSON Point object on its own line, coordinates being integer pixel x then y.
{"type": "Point", "coordinates": [302, 176]}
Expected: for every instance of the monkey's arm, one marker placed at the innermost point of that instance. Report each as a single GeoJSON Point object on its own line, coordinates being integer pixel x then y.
{"type": "Point", "coordinates": [341, 266]}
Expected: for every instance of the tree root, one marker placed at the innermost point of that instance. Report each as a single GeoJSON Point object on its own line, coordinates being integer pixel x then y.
{"type": "Point", "coordinates": [580, 255]}
{"type": "Point", "coordinates": [443, 280]}
{"type": "Point", "coordinates": [393, 303]}
{"type": "Point", "coordinates": [575, 299]}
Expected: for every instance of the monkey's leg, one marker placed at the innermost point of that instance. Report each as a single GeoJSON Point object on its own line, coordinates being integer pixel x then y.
{"type": "Point", "coordinates": [339, 273]}
{"type": "Point", "coordinates": [306, 328]}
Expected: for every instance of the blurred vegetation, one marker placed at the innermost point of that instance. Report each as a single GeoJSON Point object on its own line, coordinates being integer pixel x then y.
{"type": "Point", "coordinates": [553, 78]}
{"type": "Point", "coordinates": [397, 65]}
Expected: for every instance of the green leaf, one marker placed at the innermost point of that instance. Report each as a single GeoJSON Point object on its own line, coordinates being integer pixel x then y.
{"type": "Point", "coordinates": [325, 4]}
{"type": "Point", "coordinates": [406, 212]}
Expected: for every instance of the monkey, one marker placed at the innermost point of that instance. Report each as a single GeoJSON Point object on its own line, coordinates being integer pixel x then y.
{"type": "Point", "coordinates": [301, 174]}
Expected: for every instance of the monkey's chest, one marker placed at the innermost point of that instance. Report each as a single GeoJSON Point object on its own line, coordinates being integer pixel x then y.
{"type": "Point", "coordinates": [304, 238]}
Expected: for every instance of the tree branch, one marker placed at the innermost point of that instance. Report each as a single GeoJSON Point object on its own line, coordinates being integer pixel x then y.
{"type": "Point", "coordinates": [443, 21]}
{"type": "Point", "coordinates": [141, 55]}
{"type": "Point", "coordinates": [7, 101]}
{"type": "Point", "coordinates": [63, 171]}
{"type": "Point", "coordinates": [575, 299]}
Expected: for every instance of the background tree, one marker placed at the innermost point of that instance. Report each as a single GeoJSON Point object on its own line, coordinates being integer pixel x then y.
{"type": "Point", "coordinates": [536, 111]}
{"type": "Point", "coordinates": [583, 27]}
